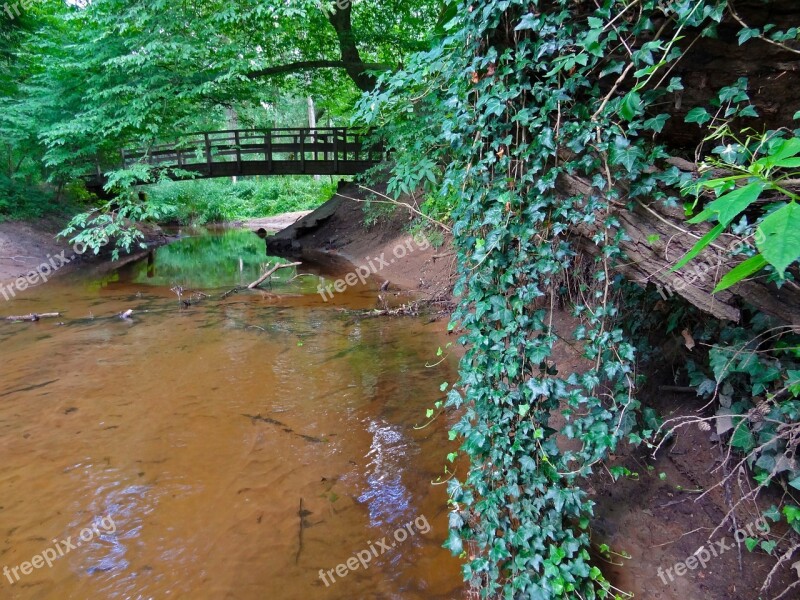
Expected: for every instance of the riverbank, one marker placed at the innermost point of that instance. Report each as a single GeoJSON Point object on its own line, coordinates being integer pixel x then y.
{"type": "Point", "coordinates": [396, 257]}
{"type": "Point", "coordinates": [28, 247]}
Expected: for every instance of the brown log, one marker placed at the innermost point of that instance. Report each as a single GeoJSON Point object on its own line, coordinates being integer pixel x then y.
{"type": "Point", "coordinates": [658, 236]}
{"type": "Point", "coordinates": [269, 274]}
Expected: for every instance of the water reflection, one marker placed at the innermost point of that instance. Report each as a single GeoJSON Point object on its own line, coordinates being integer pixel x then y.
{"type": "Point", "coordinates": [387, 497]}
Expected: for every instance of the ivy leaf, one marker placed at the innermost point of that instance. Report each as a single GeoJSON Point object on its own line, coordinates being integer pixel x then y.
{"type": "Point", "coordinates": [631, 106]}
{"type": "Point", "coordinates": [728, 206]}
{"type": "Point", "coordinates": [748, 33]}
{"type": "Point", "coordinates": [625, 154]}
{"type": "Point", "coordinates": [743, 438]}
{"type": "Point", "coordinates": [656, 123]}
{"type": "Point", "coordinates": [779, 241]}
{"type": "Point", "coordinates": [793, 383]}
{"type": "Point", "coordinates": [698, 115]}
{"type": "Point", "coordinates": [751, 543]}
{"type": "Point", "coordinates": [675, 84]}
{"type": "Point", "coordinates": [454, 543]}
{"type": "Point", "coordinates": [768, 546]}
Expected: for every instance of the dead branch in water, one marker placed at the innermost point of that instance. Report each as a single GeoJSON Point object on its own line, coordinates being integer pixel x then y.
{"type": "Point", "coordinates": [269, 274]}
{"type": "Point", "coordinates": [34, 317]}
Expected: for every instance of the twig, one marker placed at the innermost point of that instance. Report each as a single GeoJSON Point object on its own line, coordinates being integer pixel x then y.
{"type": "Point", "coordinates": [269, 274]}
{"type": "Point", "coordinates": [761, 36]}
{"type": "Point", "coordinates": [34, 317]}
{"type": "Point", "coordinates": [301, 513]}
{"type": "Point", "coordinates": [17, 258]}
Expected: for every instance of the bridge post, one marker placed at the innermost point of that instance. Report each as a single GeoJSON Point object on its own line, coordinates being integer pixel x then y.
{"type": "Point", "coordinates": [335, 150]}
{"type": "Point", "coordinates": [208, 153]}
{"type": "Point", "coordinates": [268, 151]}
{"type": "Point", "coordinates": [238, 152]}
{"type": "Point", "coordinates": [302, 150]}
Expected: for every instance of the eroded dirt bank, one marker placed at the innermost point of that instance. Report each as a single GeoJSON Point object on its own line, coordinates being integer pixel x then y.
{"type": "Point", "coordinates": [387, 249]}
{"type": "Point", "coordinates": [25, 246]}
{"type": "Point", "coordinates": [31, 254]}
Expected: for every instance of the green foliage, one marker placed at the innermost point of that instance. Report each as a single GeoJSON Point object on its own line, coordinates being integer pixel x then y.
{"type": "Point", "coordinates": [216, 200]}
{"type": "Point", "coordinates": [21, 201]}
{"type": "Point", "coordinates": [515, 97]}
{"type": "Point", "coordinates": [754, 170]}
{"type": "Point", "coordinates": [114, 222]}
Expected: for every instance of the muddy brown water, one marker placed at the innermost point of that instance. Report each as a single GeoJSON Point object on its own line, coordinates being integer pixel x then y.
{"type": "Point", "coordinates": [229, 450]}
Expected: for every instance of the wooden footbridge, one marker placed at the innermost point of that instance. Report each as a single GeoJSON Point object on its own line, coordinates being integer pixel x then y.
{"type": "Point", "coordinates": [242, 152]}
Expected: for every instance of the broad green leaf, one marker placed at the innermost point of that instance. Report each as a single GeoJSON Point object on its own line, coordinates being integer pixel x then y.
{"type": "Point", "coordinates": [741, 271]}
{"type": "Point", "coordinates": [793, 381]}
{"type": "Point", "coordinates": [698, 247]}
{"type": "Point", "coordinates": [783, 155]}
{"type": "Point", "coordinates": [729, 205]}
{"type": "Point", "coordinates": [743, 438]}
{"type": "Point", "coordinates": [656, 123]}
{"type": "Point", "coordinates": [779, 241]}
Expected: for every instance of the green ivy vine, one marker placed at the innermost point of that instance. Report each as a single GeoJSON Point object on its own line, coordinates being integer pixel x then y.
{"type": "Point", "coordinates": [515, 100]}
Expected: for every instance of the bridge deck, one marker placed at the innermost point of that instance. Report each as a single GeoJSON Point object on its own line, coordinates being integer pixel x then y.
{"type": "Point", "coordinates": [242, 152]}
{"type": "Point", "coordinates": [300, 151]}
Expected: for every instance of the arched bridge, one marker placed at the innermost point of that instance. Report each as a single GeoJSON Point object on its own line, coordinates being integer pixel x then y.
{"type": "Point", "coordinates": [240, 152]}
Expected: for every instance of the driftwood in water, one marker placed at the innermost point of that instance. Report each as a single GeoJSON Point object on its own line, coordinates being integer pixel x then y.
{"type": "Point", "coordinates": [34, 317]}
{"type": "Point", "coordinates": [269, 274]}
{"type": "Point", "coordinates": [658, 236]}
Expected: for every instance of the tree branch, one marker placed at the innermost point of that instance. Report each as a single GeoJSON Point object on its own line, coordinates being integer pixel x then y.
{"type": "Point", "coordinates": [307, 65]}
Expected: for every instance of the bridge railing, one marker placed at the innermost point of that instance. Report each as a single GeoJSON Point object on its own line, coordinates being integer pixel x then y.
{"type": "Point", "coordinates": [294, 150]}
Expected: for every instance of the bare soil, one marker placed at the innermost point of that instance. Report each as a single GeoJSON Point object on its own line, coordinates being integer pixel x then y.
{"type": "Point", "coordinates": [336, 231]}
{"type": "Point", "coordinates": [25, 246]}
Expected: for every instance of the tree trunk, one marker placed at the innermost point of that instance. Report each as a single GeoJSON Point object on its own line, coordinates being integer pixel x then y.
{"type": "Point", "coordinates": [341, 20]}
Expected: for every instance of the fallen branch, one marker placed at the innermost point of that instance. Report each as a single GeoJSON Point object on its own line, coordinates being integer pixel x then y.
{"type": "Point", "coordinates": [269, 274]}
{"type": "Point", "coordinates": [34, 317]}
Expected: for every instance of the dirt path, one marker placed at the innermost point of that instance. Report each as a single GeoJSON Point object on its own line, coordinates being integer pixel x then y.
{"type": "Point", "coordinates": [274, 223]}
